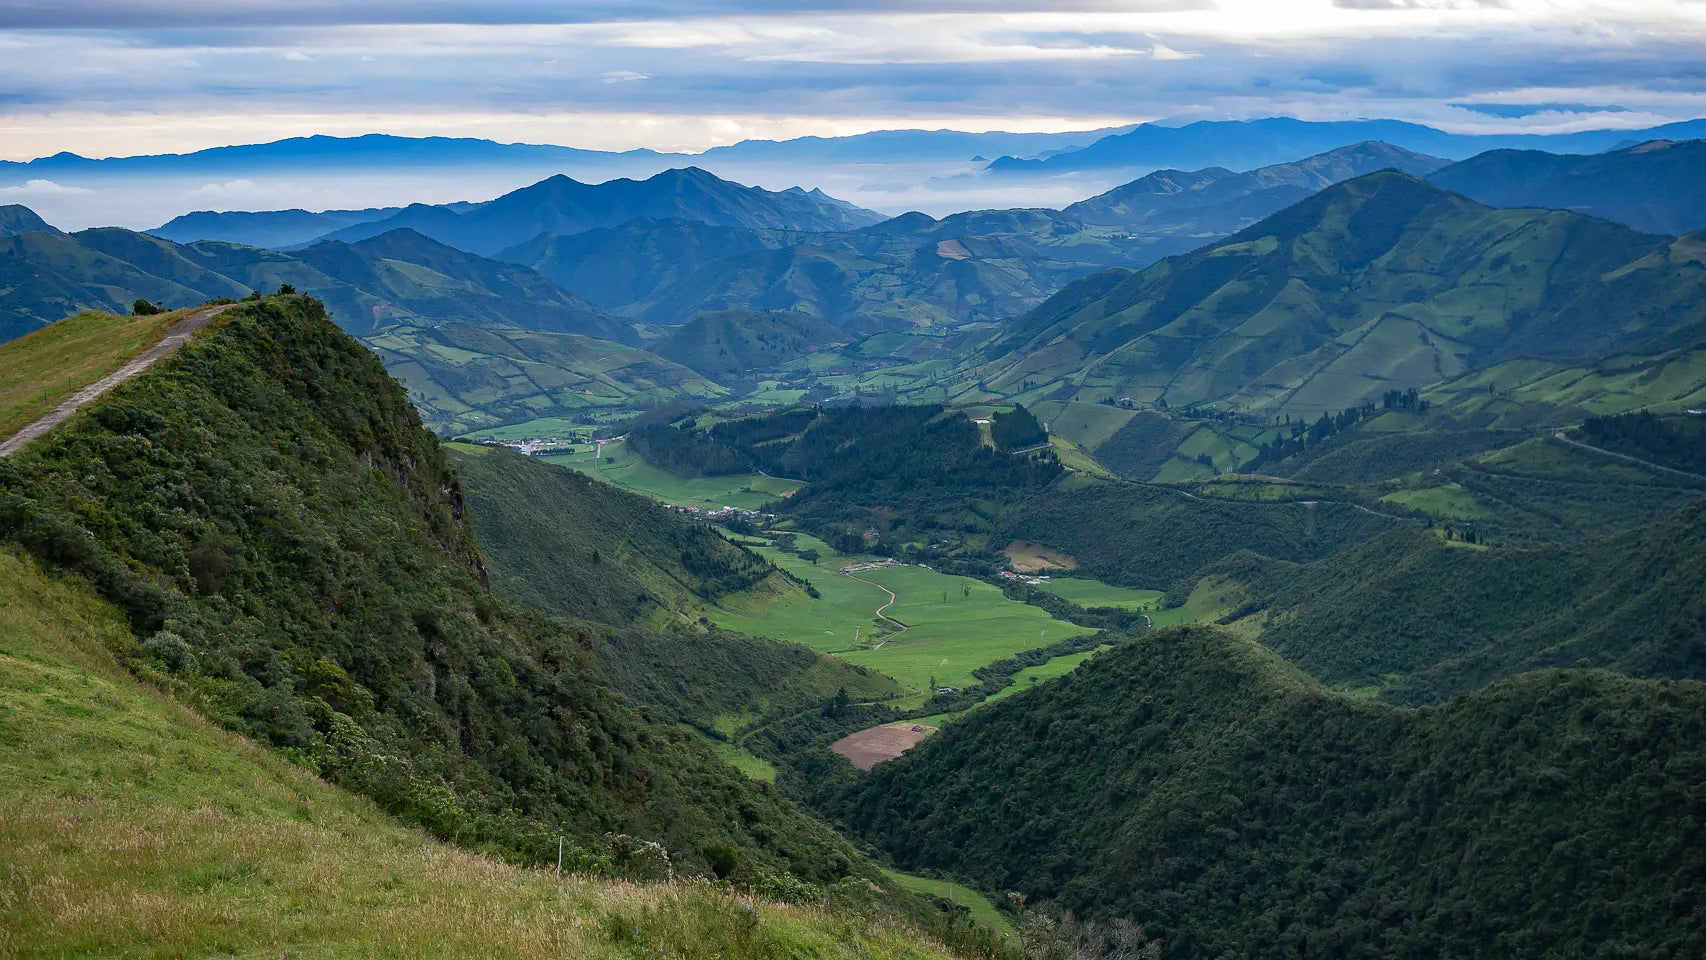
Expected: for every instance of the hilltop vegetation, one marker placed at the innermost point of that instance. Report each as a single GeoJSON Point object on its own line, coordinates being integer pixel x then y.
{"type": "Point", "coordinates": [1196, 783]}
{"type": "Point", "coordinates": [134, 828]}
{"type": "Point", "coordinates": [296, 557]}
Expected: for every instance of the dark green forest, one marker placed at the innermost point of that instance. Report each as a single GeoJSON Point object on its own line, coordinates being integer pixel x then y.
{"type": "Point", "coordinates": [1198, 783]}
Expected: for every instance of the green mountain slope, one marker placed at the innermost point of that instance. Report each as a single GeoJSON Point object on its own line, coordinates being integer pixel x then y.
{"type": "Point", "coordinates": [612, 266]}
{"type": "Point", "coordinates": [296, 555]}
{"type": "Point", "coordinates": [731, 345]}
{"type": "Point", "coordinates": [16, 218]}
{"type": "Point", "coordinates": [1383, 282]}
{"type": "Point", "coordinates": [1197, 784]}
{"type": "Point", "coordinates": [568, 546]}
{"type": "Point", "coordinates": [1654, 186]}
{"type": "Point", "coordinates": [465, 377]}
{"type": "Point", "coordinates": [133, 828]}
{"type": "Point", "coordinates": [1424, 619]}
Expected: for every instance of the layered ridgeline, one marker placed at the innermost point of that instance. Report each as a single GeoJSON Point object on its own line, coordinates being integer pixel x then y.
{"type": "Point", "coordinates": [1197, 784]}
{"type": "Point", "coordinates": [1653, 186]}
{"type": "Point", "coordinates": [296, 559]}
{"type": "Point", "coordinates": [399, 277]}
{"type": "Point", "coordinates": [1380, 283]}
{"type": "Point", "coordinates": [561, 205]}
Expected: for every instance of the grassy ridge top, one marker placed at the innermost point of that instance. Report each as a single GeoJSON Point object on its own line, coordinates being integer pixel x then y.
{"type": "Point", "coordinates": [42, 369]}
{"type": "Point", "coordinates": [135, 828]}
{"type": "Point", "coordinates": [1200, 785]}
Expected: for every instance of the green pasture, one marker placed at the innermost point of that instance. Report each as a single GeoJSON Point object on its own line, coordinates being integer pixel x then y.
{"type": "Point", "coordinates": [950, 632]}
{"type": "Point", "coordinates": [1094, 593]}
{"type": "Point", "coordinates": [981, 909]}
{"type": "Point", "coordinates": [629, 471]}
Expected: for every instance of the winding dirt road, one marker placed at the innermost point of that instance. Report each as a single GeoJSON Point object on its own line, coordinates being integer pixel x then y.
{"type": "Point", "coordinates": [880, 615]}
{"type": "Point", "coordinates": [180, 332]}
{"type": "Point", "coordinates": [1565, 438]}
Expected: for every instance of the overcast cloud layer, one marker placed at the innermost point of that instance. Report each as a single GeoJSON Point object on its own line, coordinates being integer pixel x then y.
{"type": "Point", "coordinates": [104, 77]}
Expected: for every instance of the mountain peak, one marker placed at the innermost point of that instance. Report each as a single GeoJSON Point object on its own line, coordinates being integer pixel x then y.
{"type": "Point", "coordinates": [16, 218]}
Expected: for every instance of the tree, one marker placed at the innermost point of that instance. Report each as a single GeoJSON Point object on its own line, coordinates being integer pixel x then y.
{"type": "Point", "coordinates": [143, 308]}
{"type": "Point", "coordinates": [286, 290]}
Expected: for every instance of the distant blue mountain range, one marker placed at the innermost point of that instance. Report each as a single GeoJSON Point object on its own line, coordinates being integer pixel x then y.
{"type": "Point", "coordinates": [1246, 144]}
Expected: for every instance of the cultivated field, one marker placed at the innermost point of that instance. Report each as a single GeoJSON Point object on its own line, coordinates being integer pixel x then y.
{"type": "Point", "coordinates": [873, 745]}
{"type": "Point", "coordinates": [1028, 557]}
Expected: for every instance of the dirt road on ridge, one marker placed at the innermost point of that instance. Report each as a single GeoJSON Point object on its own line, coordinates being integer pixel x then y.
{"type": "Point", "coordinates": [180, 332]}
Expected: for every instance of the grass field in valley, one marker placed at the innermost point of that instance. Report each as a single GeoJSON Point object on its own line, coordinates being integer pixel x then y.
{"type": "Point", "coordinates": [134, 828]}
{"type": "Point", "coordinates": [946, 640]}
{"type": "Point", "coordinates": [41, 369]}
{"type": "Point", "coordinates": [1094, 593]}
{"type": "Point", "coordinates": [627, 470]}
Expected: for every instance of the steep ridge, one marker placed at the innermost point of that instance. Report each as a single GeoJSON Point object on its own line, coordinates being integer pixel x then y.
{"type": "Point", "coordinates": [16, 219]}
{"type": "Point", "coordinates": [132, 827]}
{"type": "Point", "coordinates": [1197, 784]}
{"type": "Point", "coordinates": [296, 555]}
{"type": "Point", "coordinates": [1382, 282]}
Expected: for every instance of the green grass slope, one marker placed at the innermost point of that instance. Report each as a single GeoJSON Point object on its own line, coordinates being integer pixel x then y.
{"type": "Point", "coordinates": [1382, 282]}
{"type": "Point", "coordinates": [40, 370]}
{"type": "Point", "coordinates": [1196, 784]}
{"type": "Point", "coordinates": [569, 546]}
{"type": "Point", "coordinates": [730, 345]}
{"type": "Point", "coordinates": [465, 377]}
{"type": "Point", "coordinates": [131, 827]}
{"type": "Point", "coordinates": [296, 555]}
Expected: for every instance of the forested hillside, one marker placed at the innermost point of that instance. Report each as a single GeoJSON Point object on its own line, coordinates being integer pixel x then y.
{"type": "Point", "coordinates": [1199, 785]}
{"type": "Point", "coordinates": [296, 556]}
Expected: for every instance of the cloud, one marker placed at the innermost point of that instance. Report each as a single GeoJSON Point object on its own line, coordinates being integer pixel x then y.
{"type": "Point", "coordinates": [106, 77]}
{"type": "Point", "coordinates": [40, 189]}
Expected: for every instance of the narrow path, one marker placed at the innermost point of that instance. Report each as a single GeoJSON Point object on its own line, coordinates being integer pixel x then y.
{"type": "Point", "coordinates": [880, 615]}
{"type": "Point", "coordinates": [181, 332]}
{"type": "Point", "coordinates": [1565, 438]}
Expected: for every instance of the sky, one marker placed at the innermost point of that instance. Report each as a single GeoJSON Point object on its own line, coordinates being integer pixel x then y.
{"type": "Point", "coordinates": [118, 77]}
